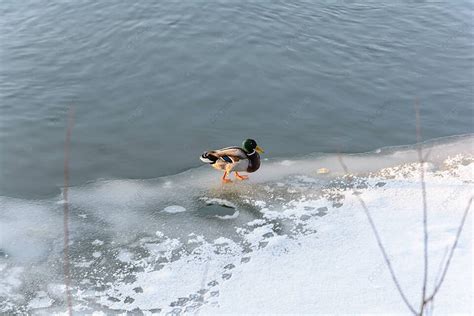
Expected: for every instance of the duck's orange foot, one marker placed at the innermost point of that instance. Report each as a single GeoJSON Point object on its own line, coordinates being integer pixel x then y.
{"type": "Point", "coordinates": [241, 177]}
{"type": "Point", "coordinates": [224, 179]}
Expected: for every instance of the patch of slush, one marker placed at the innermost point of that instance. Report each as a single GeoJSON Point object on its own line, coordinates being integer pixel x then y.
{"type": "Point", "coordinates": [217, 201]}
{"type": "Point", "coordinates": [41, 300]}
{"type": "Point", "coordinates": [10, 282]}
{"type": "Point", "coordinates": [97, 242]}
{"type": "Point", "coordinates": [233, 216]}
{"type": "Point", "coordinates": [28, 230]}
{"type": "Point", "coordinates": [125, 256]}
{"type": "Point", "coordinates": [174, 209]}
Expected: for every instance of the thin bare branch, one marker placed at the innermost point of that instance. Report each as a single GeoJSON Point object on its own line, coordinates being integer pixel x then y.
{"type": "Point", "coordinates": [66, 267]}
{"type": "Point", "coordinates": [380, 244]}
{"type": "Point", "coordinates": [441, 265]}
{"type": "Point", "coordinates": [430, 305]}
{"type": "Point", "coordinates": [427, 154]}
{"type": "Point", "coordinates": [425, 208]}
{"type": "Point", "coordinates": [451, 252]}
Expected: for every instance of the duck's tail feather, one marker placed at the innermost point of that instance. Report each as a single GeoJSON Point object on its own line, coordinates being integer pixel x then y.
{"type": "Point", "coordinates": [208, 158]}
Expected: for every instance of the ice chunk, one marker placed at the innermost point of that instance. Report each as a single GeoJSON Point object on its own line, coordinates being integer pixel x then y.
{"type": "Point", "coordinates": [174, 209]}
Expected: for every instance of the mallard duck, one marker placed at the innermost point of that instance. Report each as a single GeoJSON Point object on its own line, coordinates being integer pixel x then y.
{"type": "Point", "coordinates": [235, 159]}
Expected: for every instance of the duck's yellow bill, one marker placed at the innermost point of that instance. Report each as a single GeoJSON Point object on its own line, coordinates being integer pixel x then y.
{"type": "Point", "coordinates": [259, 150]}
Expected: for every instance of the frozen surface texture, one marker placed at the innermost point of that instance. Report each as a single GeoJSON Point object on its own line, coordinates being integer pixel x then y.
{"type": "Point", "coordinates": [298, 242]}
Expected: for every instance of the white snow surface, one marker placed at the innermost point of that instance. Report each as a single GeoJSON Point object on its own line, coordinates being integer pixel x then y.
{"type": "Point", "coordinates": [335, 266]}
{"type": "Point", "coordinates": [297, 243]}
{"type": "Point", "coordinates": [340, 268]}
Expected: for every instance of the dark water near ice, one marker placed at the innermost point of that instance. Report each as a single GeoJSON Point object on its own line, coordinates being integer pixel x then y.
{"type": "Point", "coordinates": [155, 83]}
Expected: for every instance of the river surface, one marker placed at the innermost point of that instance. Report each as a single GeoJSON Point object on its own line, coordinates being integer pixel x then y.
{"type": "Point", "coordinates": [154, 84]}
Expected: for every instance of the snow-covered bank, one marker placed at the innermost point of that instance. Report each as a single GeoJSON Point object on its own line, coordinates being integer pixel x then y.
{"type": "Point", "coordinates": [340, 269]}
{"type": "Point", "coordinates": [296, 243]}
{"type": "Point", "coordinates": [329, 261]}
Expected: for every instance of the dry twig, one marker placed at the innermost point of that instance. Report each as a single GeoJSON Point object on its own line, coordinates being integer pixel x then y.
{"type": "Point", "coordinates": [67, 273]}
{"type": "Point", "coordinates": [380, 244]}
{"type": "Point", "coordinates": [444, 265]}
{"type": "Point", "coordinates": [425, 208]}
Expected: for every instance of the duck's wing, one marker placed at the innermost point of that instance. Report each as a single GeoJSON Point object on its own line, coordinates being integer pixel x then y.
{"type": "Point", "coordinates": [229, 154]}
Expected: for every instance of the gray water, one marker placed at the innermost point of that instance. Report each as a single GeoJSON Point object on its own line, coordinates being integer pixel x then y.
{"type": "Point", "coordinates": [155, 83]}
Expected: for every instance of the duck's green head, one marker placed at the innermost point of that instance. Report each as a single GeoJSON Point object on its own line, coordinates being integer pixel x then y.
{"type": "Point", "coordinates": [250, 145]}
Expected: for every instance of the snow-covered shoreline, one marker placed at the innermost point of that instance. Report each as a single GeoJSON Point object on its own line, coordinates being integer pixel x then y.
{"type": "Point", "coordinates": [335, 265]}
{"type": "Point", "coordinates": [340, 269]}
{"type": "Point", "coordinates": [289, 244]}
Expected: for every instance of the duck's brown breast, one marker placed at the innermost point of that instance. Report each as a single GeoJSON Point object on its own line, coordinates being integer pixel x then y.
{"type": "Point", "coordinates": [254, 162]}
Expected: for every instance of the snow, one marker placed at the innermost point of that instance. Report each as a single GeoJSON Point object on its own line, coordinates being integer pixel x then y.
{"type": "Point", "coordinates": [40, 301]}
{"type": "Point", "coordinates": [124, 256]}
{"type": "Point", "coordinates": [233, 216]}
{"type": "Point", "coordinates": [174, 209]}
{"type": "Point", "coordinates": [173, 281]}
{"type": "Point", "coordinates": [335, 266]}
{"type": "Point", "coordinates": [217, 201]}
{"type": "Point", "coordinates": [97, 242]}
{"type": "Point", "coordinates": [298, 242]}
{"type": "Point", "coordinates": [222, 240]}
{"type": "Point", "coordinates": [341, 270]}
